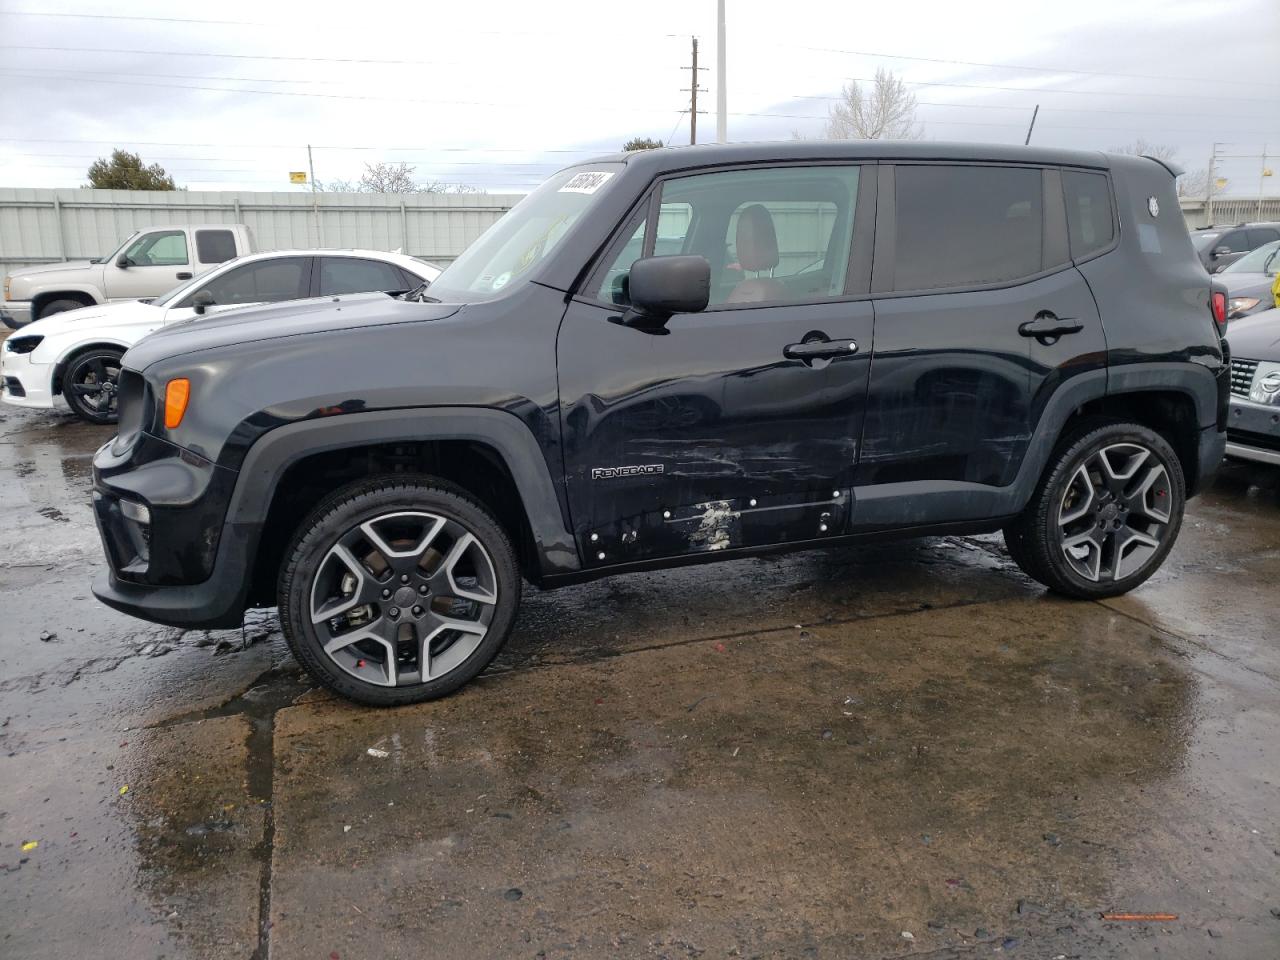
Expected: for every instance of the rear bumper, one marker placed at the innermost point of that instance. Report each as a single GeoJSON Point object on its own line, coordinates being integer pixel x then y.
{"type": "Point", "coordinates": [15, 313]}
{"type": "Point", "coordinates": [1253, 432]}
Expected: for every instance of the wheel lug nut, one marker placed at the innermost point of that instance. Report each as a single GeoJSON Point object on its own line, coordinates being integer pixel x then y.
{"type": "Point", "coordinates": [423, 589]}
{"type": "Point", "coordinates": [404, 578]}
{"type": "Point", "coordinates": [386, 594]}
{"type": "Point", "coordinates": [393, 612]}
{"type": "Point", "coordinates": [417, 611]}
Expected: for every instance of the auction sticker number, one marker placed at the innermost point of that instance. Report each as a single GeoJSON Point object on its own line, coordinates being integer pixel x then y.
{"type": "Point", "coordinates": [586, 182]}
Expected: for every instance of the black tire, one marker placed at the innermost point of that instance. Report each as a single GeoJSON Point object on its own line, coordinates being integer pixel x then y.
{"type": "Point", "coordinates": [1116, 557]}
{"type": "Point", "coordinates": [380, 500]}
{"type": "Point", "coordinates": [89, 385]}
{"type": "Point", "coordinates": [59, 306]}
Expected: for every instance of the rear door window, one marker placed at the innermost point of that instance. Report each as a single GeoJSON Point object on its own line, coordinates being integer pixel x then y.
{"type": "Point", "coordinates": [967, 226]}
{"type": "Point", "coordinates": [215, 246]}
{"type": "Point", "coordinates": [1090, 222]}
{"type": "Point", "coordinates": [340, 275]}
{"type": "Point", "coordinates": [1236, 242]}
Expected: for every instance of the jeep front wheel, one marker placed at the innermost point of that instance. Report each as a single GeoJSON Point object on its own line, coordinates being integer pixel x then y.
{"type": "Point", "coordinates": [1105, 514]}
{"type": "Point", "coordinates": [398, 590]}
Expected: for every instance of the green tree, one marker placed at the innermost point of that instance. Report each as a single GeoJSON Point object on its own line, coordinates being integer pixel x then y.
{"type": "Point", "coordinates": [125, 171]}
{"type": "Point", "coordinates": [641, 143]}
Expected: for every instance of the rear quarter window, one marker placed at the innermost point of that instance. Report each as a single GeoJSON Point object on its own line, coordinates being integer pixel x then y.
{"type": "Point", "coordinates": [215, 246]}
{"type": "Point", "coordinates": [1090, 218]}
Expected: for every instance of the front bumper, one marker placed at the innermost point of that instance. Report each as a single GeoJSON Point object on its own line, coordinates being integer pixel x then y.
{"type": "Point", "coordinates": [182, 566]}
{"type": "Point", "coordinates": [23, 383]}
{"type": "Point", "coordinates": [15, 313]}
{"type": "Point", "coordinates": [1253, 431]}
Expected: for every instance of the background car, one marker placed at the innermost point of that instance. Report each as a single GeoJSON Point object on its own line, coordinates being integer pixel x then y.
{"type": "Point", "coordinates": [1249, 280]}
{"type": "Point", "coordinates": [1253, 424]}
{"type": "Point", "coordinates": [1219, 247]}
{"type": "Point", "coordinates": [77, 353]}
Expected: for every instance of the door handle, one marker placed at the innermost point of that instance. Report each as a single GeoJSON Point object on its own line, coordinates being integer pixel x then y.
{"type": "Point", "coordinates": [1048, 327]}
{"type": "Point", "coordinates": [184, 275]}
{"type": "Point", "coordinates": [819, 349]}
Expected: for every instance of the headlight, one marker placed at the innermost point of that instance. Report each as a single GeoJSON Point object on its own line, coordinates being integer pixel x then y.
{"type": "Point", "coordinates": [1241, 304]}
{"type": "Point", "coordinates": [22, 344]}
{"type": "Point", "coordinates": [1266, 384]}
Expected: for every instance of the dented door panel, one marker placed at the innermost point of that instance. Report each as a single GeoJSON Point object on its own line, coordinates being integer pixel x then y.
{"type": "Point", "coordinates": [707, 437]}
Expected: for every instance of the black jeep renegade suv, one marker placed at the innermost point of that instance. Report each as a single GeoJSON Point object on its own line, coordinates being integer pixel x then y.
{"type": "Point", "coordinates": [670, 357]}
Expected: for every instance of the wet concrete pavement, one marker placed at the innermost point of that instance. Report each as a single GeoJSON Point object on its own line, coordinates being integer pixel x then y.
{"type": "Point", "coordinates": [808, 756]}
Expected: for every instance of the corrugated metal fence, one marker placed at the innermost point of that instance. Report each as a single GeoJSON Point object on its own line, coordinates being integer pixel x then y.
{"type": "Point", "coordinates": [44, 226]}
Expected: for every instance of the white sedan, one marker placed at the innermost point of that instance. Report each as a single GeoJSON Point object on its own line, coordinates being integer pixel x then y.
{"type": "Point", "coordinates": [76, 354]}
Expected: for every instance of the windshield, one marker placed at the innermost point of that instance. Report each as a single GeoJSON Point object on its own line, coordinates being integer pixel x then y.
{"type": "Point", "coordinates": [1203, 241]}
{"type": "Point", "coordinates": [116, 252]}
{"type": "Point", "coordinates": [513, 246]}
{"type": "Point", "coordinates": [1261, 260]}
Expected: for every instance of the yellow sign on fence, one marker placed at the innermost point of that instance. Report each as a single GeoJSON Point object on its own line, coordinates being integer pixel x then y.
{"type": "Point", "coordinates": [297, 176]}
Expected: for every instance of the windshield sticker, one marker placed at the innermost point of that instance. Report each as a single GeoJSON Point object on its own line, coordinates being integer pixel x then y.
{"type": "Point", "coordinates": [586, 182]}
{"type": "Point", "coordinates": [501, 280]}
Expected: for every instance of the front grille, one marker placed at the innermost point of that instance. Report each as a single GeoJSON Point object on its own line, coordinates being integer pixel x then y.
{"type": "Point", "coordinates": [1242, 376]}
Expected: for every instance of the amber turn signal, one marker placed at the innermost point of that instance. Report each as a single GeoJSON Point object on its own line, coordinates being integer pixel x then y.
{"type": "Point", "coordinates": [176, 395]}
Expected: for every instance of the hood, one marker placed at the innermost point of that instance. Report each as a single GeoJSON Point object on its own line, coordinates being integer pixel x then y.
{"type": "Point", "coordinates": [1245, 284]}
{"type": "Point", "coordinates": [281, 321]}
{"type": "Point", "coordinates": [59, 267]}
{"type": "Point", "coordinates": [99, 315]}
{"type": "Point", "coordinates": [1256, 337]}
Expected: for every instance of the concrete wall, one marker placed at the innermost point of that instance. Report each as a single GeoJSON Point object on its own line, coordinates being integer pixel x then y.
{"type": "Point", "coordinates": [44, 226]}
{"type": "Point", "coordinates": [1229, 210]}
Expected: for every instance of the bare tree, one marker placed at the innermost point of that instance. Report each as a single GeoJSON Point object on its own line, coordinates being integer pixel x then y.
{"type": "Point", "coordinates": [382, 177]}
{"type": "Point", "coordinates": [385, 177]}
{"type": "Point", "coordinates": [641, 143]}
{"type": "Point", "coordinates": [885, 111]}
{"type": "Point", "coordinates": [1194, 183]}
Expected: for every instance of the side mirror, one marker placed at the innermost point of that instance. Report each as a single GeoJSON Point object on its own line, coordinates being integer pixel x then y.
{"type": "Point", "coordinates": [201, 301]}
{"type": "Point", "coordinates": [662, 286]}
{"type": "Point", "coordinates": [123, 261]}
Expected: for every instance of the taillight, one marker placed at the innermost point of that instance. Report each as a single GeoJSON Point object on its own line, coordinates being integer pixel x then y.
{"type": "Point", "coordinates": [1218, 304]}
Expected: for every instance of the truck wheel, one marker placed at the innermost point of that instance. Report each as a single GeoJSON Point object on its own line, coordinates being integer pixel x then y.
{"type": "Point", "coordinates": [90, 385]}
{"type": "Point", "coordinates": [398, 590]}
{"type": "Point", "coordinates": [58, 306]}
{"type": "Point", "coordinates": [1105, 514]}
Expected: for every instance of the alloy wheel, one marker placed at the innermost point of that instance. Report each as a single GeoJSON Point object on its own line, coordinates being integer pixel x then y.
{"type": "Point", "coordinates": [1115, 512]}
{"type": "Point", "coordinates": [95, 385]}
{"type": "Point", "coordinates": [403, 598]}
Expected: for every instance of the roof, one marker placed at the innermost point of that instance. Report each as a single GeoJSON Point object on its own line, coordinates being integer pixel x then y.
{"type": "Point", "coordinates": [679, 158]}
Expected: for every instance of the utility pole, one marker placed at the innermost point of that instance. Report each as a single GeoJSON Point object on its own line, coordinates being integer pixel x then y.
{"type": "Point", "coordinates": [315, 200]}
{"type": "Point", "coordinates": [1032, 125]}
{"type": "Point", "coordinates": [1208, 190]}
{"type": "Point", "coordinates": [693, 89]}
{"type": "Point", "coordinates": [722, 114]}
{"type": "Point", "coordinates": [1262, 180]}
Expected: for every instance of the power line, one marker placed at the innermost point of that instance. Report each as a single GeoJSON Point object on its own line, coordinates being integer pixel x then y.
{"type": "Point", "coordinates": [603, 108]}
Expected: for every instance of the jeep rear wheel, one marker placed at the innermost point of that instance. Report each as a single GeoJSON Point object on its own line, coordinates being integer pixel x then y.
{"type": "Point", "coordinates": [397, 591]}
{"type": "Point", "coordinates": [1105, 514]}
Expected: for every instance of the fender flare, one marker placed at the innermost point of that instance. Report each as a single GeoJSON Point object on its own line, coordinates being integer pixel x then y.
{"type": "Point", "coordinates": [275, 451]}
{"type": "Point", "coordinates": [64, 356]}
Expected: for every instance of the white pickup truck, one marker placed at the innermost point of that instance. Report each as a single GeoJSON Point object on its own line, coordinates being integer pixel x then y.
{"type": "Point", "coordinates": [148, 263]}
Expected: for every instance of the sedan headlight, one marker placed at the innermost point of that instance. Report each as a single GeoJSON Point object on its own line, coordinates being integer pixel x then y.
{"type": "Point", "coordinates": [22, 344]}
{"type": "Point", "coordinates": [1241, 304]}
{"type": "Point", "coordinates": [1266, 385]}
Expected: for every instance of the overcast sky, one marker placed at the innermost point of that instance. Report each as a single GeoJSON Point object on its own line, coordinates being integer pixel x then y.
{"type": "Point", "coordinates": [499, 94]}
